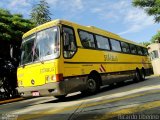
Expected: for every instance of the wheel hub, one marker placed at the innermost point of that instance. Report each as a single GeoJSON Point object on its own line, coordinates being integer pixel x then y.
{"type": "Point", "coordinates": [91, 84]}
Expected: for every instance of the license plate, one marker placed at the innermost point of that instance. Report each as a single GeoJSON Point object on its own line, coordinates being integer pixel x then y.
{"type": "Point", "coordinates": [35, 94]}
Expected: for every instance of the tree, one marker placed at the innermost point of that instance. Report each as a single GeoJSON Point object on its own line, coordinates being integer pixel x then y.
{"type": "Point", "coordinates": [12, 27]}
{"type": "Point", "coordinates": [156, 37]}
{"type": "Point", "coordinates": [40, 13]}
{"type": "Point", "coordinates": [145, 43]}
{"type": "Point", "coordinates": [152, 7]}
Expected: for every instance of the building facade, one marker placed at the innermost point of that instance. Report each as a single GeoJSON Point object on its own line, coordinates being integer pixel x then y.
{"type": "Point", "coordinates": [154, 52]}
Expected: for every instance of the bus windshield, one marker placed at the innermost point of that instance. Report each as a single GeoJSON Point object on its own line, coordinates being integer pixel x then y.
{"type": "Point", "coordinates": [43, 45]}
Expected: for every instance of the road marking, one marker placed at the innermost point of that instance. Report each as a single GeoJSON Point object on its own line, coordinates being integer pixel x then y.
{"type": "Point", "coordinates": [128, 92]}
{"type": "Point", "coordinates": [120, 98]}
{"type": "Point", "coordinates": [131, 110]}
{"type": "Point", "coordinates": [45, 113]}
{"type": "Point", "coordinates": [11, 100]}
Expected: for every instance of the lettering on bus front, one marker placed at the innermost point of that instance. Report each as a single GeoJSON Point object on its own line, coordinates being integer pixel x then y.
{"type": "Point", "coordinates": [110, 57]}
{"type": "Point", "coordinates": [46, 70]}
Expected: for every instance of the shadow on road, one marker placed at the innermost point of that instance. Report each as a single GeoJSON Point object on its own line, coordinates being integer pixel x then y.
{"type": "Point", "coordinates": [132, 85]}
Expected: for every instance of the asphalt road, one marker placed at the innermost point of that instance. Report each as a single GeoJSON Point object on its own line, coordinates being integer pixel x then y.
{"type": "Point", "coordinates": [129, 101]}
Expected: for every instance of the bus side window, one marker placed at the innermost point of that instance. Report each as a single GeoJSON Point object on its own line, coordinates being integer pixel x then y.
{"type": "Point", "coordinates": [87, 39]}
{"type": "Point", "coordinates": [115, 45]}
{"type": "Point", "coordinates": [125, 47]}
{"type": "Point", "coordinates": [145, 51]}
{"type": "Point", "coordinates": [102, 42]}
{"type": "Point", "coordinates": [133, 49]}
{"type": "Point", "coordinates": [69, 42]}
{"type": "Point", "coordinates": [139, 50]}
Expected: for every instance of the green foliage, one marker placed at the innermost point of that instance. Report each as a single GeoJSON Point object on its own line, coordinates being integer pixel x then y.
{"type": "Point", "coordinates": [152, 7]}
{"type": "Point", "coordinates": [40, 13]}
{"type": "Point", "coordinates": [156, 37]}
{"type": "Point", "coordinates": [145, 43]}
{"type": "Point", "coordinates": [12, 27]}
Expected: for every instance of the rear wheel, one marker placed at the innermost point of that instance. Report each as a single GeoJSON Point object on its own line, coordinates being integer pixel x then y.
{"type": "Point", "coordinates": [120, 83]}
{"type": "Point", "coordinates": [137, 76]}
{"type": "Point", "coordinates": [143, 75]}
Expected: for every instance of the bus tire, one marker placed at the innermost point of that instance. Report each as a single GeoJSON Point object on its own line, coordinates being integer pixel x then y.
{"type": "Point", "coordinates": [143, 74]}
{"type": "Point", "coordinates": [93, 85]}
{"type": "Point", "coordinates": [137, 76]}
{"type": "Point", "coordinates": [120, 83]}
{"type": "Point", "coordinates": [60, 97]}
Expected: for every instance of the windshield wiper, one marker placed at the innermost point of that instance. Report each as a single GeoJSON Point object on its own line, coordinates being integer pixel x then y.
{"type": "Point", "coordinates": [24, 64]}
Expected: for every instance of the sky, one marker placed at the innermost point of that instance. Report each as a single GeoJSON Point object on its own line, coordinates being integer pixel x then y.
{"type": "Point", "coordinates": [117, 16]}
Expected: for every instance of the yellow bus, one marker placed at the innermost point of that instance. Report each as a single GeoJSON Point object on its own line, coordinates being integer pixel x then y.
{"type": "Point", "coordinates": [62, 57]}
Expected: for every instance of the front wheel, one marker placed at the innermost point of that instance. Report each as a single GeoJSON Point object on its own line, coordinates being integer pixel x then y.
{"type": "Point", "coordinates": [143, 75]}
{"type": "Point", "coordinates": [92, 86]}
{"type": "Point", "coordinates": [60, 97]}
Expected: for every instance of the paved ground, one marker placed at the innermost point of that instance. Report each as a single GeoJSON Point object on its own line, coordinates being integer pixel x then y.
{"type": "Point", "coordinates": [130, 101]}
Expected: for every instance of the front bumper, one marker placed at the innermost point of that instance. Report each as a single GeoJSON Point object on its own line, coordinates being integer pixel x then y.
{"type": "Point", "coordinates": [56, 88]}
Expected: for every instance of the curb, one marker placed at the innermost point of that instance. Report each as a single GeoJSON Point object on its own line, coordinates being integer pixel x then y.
{"type": "Point", "coordinates": [10, 100]}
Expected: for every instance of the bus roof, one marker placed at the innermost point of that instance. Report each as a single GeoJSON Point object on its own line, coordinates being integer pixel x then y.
{"type": "Point", "coordinates": [88, 28]}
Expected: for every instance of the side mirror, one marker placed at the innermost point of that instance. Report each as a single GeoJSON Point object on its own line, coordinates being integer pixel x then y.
{"type": "Point", "coordinates": [11, 52]}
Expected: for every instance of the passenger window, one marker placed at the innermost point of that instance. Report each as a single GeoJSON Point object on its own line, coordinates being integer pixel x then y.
{"type": "Point", "coordinates": [102, 42]}
{"type": "Point", "coordinates": [133, 49]}
{"type": "Point", "coordinates": [115, 45]}
{"type": "Point", "coordinates": [139, 50]}
{"type": "Point", "coordinates": [125, 47]}
{"type": "Point", "coordinates": [87, 39]}
{"type": "Point", "coordinates": [69, 42]}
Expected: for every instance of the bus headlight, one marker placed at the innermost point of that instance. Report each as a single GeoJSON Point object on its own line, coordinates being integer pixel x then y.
{"type": "Point", "coordinates": [47, 78]}
{"type": "Point", "coordinates": [50, 78]}
{"type": "Point", "coordinates": [54, 78]}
